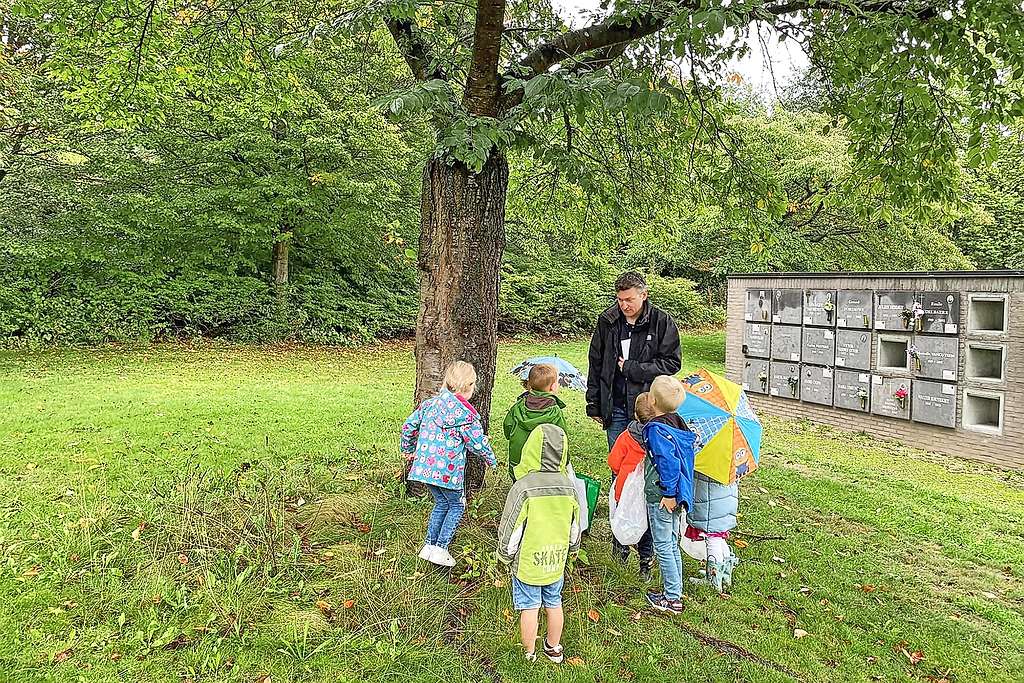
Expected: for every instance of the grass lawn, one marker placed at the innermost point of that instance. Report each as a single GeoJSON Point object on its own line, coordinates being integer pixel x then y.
{"type": "Point", "coordinates": [223, 513]}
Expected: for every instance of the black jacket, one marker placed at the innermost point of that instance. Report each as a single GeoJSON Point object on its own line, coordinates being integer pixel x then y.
{"type": "Point", "coordinates": [654, 350]}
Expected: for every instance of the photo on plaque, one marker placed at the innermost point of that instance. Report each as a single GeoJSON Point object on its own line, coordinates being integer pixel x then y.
{"type": "Point", "coordinates": [756, 373]}
{"type": "Point", "coordinates": [890, 396]}
{"type": "Point", "coordinates": [757, 340]}
{"type": "Point", "coordinates": [896, 310]}
{"type": "Point", "coordinates": [786, 341]}
{"type": "Point", "coordinates": [934, 357]}
{"type": "Point", "coordinates": [853, 349]}
{"type": "Point", "coordinates": [855, 308]}
{"type": "Point", "coordinates": [816, 385]}
{"type": "Point", "coordinates": [759, 306]}
{"type": "Point", "coordinates": [934, 403]}
{"type": "Point", "coordinates": [820, 307]}
{"type": "Point", "coordinates": [940, 312]}
{"type": "Point", "coordinates": [819, 346]}
{"type": "Point", "coordinates": [852, 390]}
{"type": "Point", "coordinates": [785, 380]}
{"type": "Point", "coordinates": [788, 306]}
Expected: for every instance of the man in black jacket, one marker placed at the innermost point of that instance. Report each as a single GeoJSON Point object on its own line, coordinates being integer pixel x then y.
{"type": "Point", "coordinates": [634, 342]}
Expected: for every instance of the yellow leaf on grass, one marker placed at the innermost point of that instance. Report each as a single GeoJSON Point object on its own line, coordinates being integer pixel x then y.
{"type": "Point", "coordinates": [740, 543]}
{"type": "Point", "coordinates": [594, 615]}
{"type": "Point", "coordinates": [323, 605]}
{"type": "Point", "coordinates": [575, 661]}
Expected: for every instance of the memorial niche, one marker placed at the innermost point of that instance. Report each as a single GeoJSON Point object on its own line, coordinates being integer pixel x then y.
{"type": "Point", "coordinates": [852, 390]}
{"type": "Point", "coordinates": [788, 307]}
{"type": "Point", "coordinates": [896, 310]}
{"type": "Point", "coordinates": [854, 308]}
{"type": "Point", "coordinates": [890, 396]}
{"type": "Point", "coordinates": [785, 380]}
{"type": "Point", "coordinates": [818, 347]}
{"type": "Point", "coordinates": [820, 308]}
{"type": "Point", "coordinates": [756, 375]}
{"type": "Point", "coordinates": [853, 349]}
{"type": "Point", "coordinates": [786, 342]}
{"type": "Point", "coordinates": [934, 357]}
{"type": "Point", "coordinates": [934, 403]}
{"type": "Point", "coordinates": [757, 340]}
{"type": "Point", "coordinates": [816, 385]}
{"type": "Point", "coordinates": [759, 306]}
{"type": "Point", "coordinates": [940, 312]}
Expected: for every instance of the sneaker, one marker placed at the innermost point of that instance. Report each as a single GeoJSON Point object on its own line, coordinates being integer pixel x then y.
{"type": "Point", "coordinates": [427, 551]}
{"type": "Point", "coordinates": [441, 557]}
{"type": "Point", "coordinates": [645, 571]}
{"type": "Point", "coordinates": [531, 656]}
{"type": "Point", "coordinates": [556, 654]}
{"type": "Point", "coordinates": [661, 603]}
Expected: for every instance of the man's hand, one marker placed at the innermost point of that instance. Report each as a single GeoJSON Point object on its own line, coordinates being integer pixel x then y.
{"type": "Point", "coordinates": [669, 504]}
{"type": "Point", "coordinates": [622, 361]}
{"type": "Point", "coordinates": [598, 420]}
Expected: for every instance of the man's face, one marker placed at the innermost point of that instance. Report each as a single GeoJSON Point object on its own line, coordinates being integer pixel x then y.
{"type": "Point", "coordinates": [631, 301]}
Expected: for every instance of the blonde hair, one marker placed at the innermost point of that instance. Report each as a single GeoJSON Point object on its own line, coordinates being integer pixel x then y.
{"type": "Point", "coordinates": [541, 377]}
{"type": "Point", "coordinates": [644, 409]}
{"type": "Point", "coordinates": [667, 393]}
{"type": "Point", "coordinates": [459, 377]}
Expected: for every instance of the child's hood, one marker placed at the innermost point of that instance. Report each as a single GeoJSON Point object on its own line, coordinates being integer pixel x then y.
{"type": "Point", "coordinates": [447, 410]}
{"type": "Point", "coordinates": [636, 430]}
{"type": "Point", "coordinates": [546, 450]}
{"type": "Point", "coordinates": [535, 408]}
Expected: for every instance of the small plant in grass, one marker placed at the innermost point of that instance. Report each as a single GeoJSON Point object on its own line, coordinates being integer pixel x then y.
{"type": "Point", "coordinates": [480, 563]}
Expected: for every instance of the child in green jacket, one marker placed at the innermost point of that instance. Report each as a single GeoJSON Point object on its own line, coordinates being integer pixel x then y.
{"type": "Point", "coordinates": [539, 405]}
{"type": "Point", "coordinates": [540, 526]}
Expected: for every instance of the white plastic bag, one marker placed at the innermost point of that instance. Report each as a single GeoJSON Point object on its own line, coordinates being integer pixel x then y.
{"type": "Point", "coordinates": [581, 497]}
{"type": "Point", "coordinates": [628, 517]}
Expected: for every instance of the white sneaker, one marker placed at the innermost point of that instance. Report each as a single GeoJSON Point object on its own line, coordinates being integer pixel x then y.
{"type": "Point", "coordinates": [426, 552]}
{"type": "Point", "coordinates": [440, 556]}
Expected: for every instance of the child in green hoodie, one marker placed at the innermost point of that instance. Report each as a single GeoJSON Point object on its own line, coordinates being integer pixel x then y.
{"type": "Point", "coordinates": [538, 405]}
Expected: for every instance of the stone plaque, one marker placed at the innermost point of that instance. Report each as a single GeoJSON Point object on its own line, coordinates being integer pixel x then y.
{"type": "Point", "coordinates": [934, 403]}
{"type": "Point", "coordinates": [788, 306]}
{"type": "Point", "coordinates": [935, 357]}
{"type": "Point", "coordinates": [853, 349]}
{"type": "Point", "coordinates": [786, 342]}
{"type": "Point", "coordinates": [759, 306]}
{"type": "Point", "coordinates": [941, 312]}
{"type": "Point", "coordinates": [820, 307]}
{"type": "Point", "coordinates": [854, 308]}
{"type": "Point", "coordinates": [852, 390]}
{"type": "Point", "coordinates": [785, 380]}
{"type": "Point", "coordinates": [757, 340]}
{"type": "Point", "coordinates": [816, 384]}
{"type": "Point", "coordinates": [756, 374]}
{"type": "Point", "coordinates": [886, 397]}
{"type": "Point", "coordinates": [819, 346]}
{"type": "Point", "coordinates": [889, 310]}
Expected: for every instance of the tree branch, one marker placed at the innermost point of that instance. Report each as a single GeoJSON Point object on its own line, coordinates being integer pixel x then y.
{"type": "Point", "coordinates": [415, 51]}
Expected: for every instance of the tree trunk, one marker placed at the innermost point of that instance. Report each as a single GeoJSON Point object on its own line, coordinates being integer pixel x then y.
{"type": "Point", "coordinates": [462, 239]}
{"type": "Point", "coordinates": [279, 268]}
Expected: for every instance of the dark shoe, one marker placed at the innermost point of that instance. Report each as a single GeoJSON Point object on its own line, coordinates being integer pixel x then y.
{"type": "Point", "coordinates": [556, 654]}
{"type": "Point", "coordinates": [645, 572]}
{"type": "Point", "coordinates": [659, 602]}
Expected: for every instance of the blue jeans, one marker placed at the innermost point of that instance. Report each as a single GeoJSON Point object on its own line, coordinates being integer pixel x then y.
{"type": "Point", "coordinates": [617, 424]}
{"type": "Point", "coordinates": [665, 528]}
{"type": "Point", "coordinates": [449, 504]}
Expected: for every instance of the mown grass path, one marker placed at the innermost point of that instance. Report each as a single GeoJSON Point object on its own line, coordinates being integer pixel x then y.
{"type": "Point", "coordinates": [218, 513]}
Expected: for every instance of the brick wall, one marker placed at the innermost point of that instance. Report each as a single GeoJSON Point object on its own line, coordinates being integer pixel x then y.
{"type": "Point", "coordinates": [1005, 450]}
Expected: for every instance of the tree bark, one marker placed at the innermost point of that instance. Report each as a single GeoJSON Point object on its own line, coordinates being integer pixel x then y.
{"type": "Point", "coordinates": [279, 268]}
{"type": "Point", "coordinates": [462, 239]}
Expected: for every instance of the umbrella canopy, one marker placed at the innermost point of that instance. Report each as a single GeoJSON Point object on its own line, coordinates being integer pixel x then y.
{"type": "Point", "coordinates": [568, 376]}
{"type": "Point", "coordinates": [727, 427]}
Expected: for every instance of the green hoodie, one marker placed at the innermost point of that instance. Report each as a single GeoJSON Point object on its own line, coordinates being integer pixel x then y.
{"type": "Point", "coordinates": [533, 409]}
{"type": "Point", "coordinates": [540, 525]}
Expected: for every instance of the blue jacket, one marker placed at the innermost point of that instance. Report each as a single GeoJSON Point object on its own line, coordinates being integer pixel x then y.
{"type": "Point", "coordinates": [714, 505]}
{"type": "Point", "coordinates": [437, 436]}
{"type": "Point", "coordinates": [669, 467]}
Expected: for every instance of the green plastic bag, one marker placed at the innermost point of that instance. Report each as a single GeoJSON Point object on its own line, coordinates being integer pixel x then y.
{"type": "Point", "coordinates": [593, 487]}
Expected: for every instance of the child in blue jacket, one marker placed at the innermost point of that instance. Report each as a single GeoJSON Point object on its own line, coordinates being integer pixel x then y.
{"type": "Point", "coordinates": [668, 475]}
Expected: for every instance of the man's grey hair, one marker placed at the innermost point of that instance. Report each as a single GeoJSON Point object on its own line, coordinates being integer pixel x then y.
{"type": "Point", "coordinates": [631, 280]}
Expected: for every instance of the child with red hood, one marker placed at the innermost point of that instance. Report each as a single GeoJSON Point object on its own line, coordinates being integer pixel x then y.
{"type": "Point", "coordinates": [627, 453]}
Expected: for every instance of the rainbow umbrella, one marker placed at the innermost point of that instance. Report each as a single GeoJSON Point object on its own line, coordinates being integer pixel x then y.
{"type": "Point", "coordinates": [728, 429]}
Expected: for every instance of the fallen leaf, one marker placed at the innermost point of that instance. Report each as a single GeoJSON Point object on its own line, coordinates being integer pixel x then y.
{"type": "Point", "coordinates": [349, 604]}
{"type": "Point", "coordinates": [637, 616]}
{"type": "Point", "coordinates": [183, 558]}
{"type": "Point", "coordinates": [263, 679]}
{"type": "Point", "coordinates": [740, 543]}
{"type": "Point", "coordinates": [63, 656]}
{"type": "Point", "coordinates": [114, 656]}
{"type": "Point", "coordinates": [915, 657]}
{"type": "Point", "coordinates": [508, 616]}
{"type": "Point", "coordinates": [575, 661]}
{"type": "Point", "coordinates": [363, 527]}
{"type": "Point", "coordinates": [799, 633]}
{"type": "Point", "coordinates": [868, 588]}
{"type": "Point", "coordinates": [137, 533]}
{"type": "Point", "coordinates": [31, 572]}
{"type": "Point", "coordinates": [778, 559]}
{"type": "Point", "coordinates": [323, 606]}
{"type": "Point", "coordinates": [594, 615]}
{"type": "Point", "coordinates": [805, 590]}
